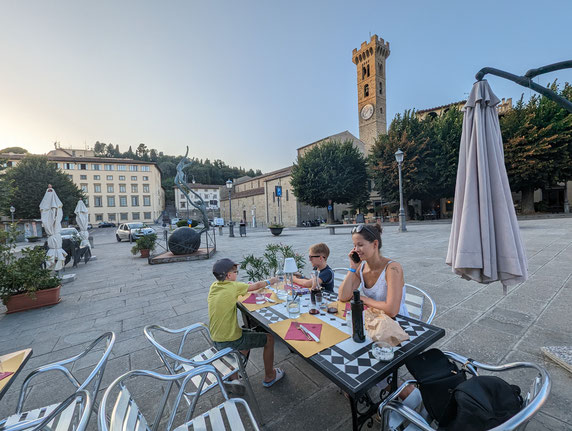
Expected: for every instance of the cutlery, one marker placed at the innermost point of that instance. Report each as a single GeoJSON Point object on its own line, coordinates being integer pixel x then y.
{"type": "Point", "coordinates": [310, 334]}
{"type": "Point", "coordinates": [269, 300]}
{"type": "Point", "coordinates": [301, 328]}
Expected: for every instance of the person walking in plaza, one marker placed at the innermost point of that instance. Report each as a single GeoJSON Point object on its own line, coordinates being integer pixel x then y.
{"type": "Point", "coordinates": [223, 322]}
{"type": "Point", "coordinates": [381, 284]}
{"type": "Point", "coordinates": [318, 256]}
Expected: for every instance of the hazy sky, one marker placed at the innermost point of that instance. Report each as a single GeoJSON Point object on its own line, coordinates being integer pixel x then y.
{"type": "Point", "coordinates": [246, 81]}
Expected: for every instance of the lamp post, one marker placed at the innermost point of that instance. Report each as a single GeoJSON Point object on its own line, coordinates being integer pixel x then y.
{"type": "Point", "coordinates": [12, 211]}
{"type": "Point", "coordinates": [230, 226]}
{"type": "Point", "coordinates": [399, 158]}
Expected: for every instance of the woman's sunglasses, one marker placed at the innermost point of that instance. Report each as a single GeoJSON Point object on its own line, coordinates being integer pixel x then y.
{"type": "Point", "coordinates": [361, 227]}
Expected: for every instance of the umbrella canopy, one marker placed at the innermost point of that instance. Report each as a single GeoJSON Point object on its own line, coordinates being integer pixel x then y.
{"type": "Point", "coordinates": [81, 220]}
{"type": "Point", "coordinates": [485, 243]}
{"type": "Point", "coordinates": [51, 210]}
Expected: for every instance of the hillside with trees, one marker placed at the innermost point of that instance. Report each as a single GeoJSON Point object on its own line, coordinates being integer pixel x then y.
{"type": "Point", "coordinates": [202, 171]}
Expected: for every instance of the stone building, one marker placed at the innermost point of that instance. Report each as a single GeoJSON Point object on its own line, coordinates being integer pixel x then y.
{"type": "Point", "coordinates": [437, 111]}
{"type": "Point", "coordinates": [117, 190]}
{"type": "Point", "coordinates": [255, 201]}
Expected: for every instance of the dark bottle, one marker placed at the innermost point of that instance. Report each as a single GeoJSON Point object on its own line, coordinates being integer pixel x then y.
{"type": "Point", "coordinates": [357, 318]}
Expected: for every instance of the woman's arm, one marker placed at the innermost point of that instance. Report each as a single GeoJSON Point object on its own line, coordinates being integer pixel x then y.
{"type": "Point", "coordinates": [351, 281]}
{"type": "Point", "coordinates": [394, 279]}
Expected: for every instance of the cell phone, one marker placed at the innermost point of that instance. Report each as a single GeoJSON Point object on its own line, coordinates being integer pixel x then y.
{"type": "Point", "coordinates": [355, 257]}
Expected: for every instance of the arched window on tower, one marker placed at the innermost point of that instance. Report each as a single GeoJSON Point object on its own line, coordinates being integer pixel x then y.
{"type": "Point", "coordinates": [363, 71]}
{"type": "Point", "coordinates": [366, 90]}
{"type": "Point", "coordinates": [381, 110]}
{"type": "Point", "coordinates": [380, 87]}
{"type": "Point", "coordinates": [380, 69]}
{"type": "Point", "coordinates": [368, 70]}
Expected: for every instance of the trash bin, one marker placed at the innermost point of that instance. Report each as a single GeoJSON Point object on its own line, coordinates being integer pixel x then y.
{"type": "Point", "coordinates": [242, 229]}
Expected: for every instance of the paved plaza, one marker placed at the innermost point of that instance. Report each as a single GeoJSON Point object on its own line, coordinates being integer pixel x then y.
{"type": "Point", "coordinates": [122, 293]}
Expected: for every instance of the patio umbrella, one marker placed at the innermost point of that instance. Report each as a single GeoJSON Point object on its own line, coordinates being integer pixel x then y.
{"type": "Point", "coordinates": [81, 219]}
{"type": "Point", "coordinates": [485, 243]}
{"type": "Point", "coordinates": [51, 210]}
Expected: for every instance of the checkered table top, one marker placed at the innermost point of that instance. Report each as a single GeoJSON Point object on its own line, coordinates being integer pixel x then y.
{"type": "Point", "coordinates": [349, 364]}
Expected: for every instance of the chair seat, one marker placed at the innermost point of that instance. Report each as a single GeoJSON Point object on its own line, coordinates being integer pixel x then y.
{"type": "Point", "coordinates": [126, 414]}
{"type": "Point", "coordinates": [62, 422]}
{"type": "Point", "coordinates": [215, 418]}
{"type": "Point", "coordinates": [226, 366]}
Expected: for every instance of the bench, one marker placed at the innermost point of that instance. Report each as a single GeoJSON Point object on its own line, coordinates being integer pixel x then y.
{"type": "Point", "coordinates": [333, 227]}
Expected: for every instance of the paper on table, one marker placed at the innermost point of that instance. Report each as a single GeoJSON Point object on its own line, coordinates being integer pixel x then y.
{"type": "Point", "coordinates": [252, 298]}
{"type": "Point", "coordinates": [296, 334]}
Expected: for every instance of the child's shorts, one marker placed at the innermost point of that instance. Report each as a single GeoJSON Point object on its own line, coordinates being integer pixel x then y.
{"type": "Point", "coordinates": [249, 340]}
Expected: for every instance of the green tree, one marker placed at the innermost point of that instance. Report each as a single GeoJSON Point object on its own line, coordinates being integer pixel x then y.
{"type": "Point", "coordinates": [14, 150]}
{"type": "Point", "coordinates": [30, 179]}
{"type": "Point", "coordinates": [142, 152]}
{"type": "Point", "coordinates": [100, 149]}
{"type": "Point", "coordinates": [330, 173]}
{"type": "Point", "coordinates": [537, 145]}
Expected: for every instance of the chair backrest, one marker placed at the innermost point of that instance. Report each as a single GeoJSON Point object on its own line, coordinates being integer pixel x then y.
{"type": "Point", "coordinates": [71, 415]}
{"type": "Point", "coordinates": [415, 301]}
{"type": "Point", "coordinates": [339, 275]}
{"type": "Point", "coordinates": [127, 416]}
{"type": "Point", "coordinates": [91, 383]}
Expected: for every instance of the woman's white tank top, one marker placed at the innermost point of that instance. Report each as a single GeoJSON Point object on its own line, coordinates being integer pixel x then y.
{"type": "Point", "coordinates": [378, 292]}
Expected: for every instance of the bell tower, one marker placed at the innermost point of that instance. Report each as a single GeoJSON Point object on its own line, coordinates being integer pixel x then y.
{"type": "Point", "coordinates": [370, 65]}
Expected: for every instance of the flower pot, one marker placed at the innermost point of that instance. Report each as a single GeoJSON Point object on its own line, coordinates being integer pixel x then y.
{"type": "Point", "coordinates": [276, 230]}
{"type": "Point", "coordinates": [144, 253]}
{"type": "Point", "coordinates": [41, 298]}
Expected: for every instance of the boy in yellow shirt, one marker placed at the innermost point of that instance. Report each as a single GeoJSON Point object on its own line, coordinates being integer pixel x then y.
{"type": "Point", "coordinates": [223, 322]}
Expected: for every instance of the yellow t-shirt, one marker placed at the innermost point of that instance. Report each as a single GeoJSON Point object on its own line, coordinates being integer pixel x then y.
{"type": "Point", "coordinates": [222, 298]}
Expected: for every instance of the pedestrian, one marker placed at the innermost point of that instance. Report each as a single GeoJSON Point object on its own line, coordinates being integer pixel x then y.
{"type": "Point", "coordinates": [223, 322]}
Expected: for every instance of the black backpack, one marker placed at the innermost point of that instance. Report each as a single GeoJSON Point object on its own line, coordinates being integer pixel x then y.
{"type": "Point", "coordinates": [482, 403]}
{"type": "Point", "coordinates": [437, 377]}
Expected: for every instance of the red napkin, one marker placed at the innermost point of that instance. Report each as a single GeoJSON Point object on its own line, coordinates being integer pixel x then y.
{"type": "Point", "coordinates": [252, 298]}
{"type": "Point", "coordinates": [5, 374]}
{"type": "Point", "coordinates": [294, 333]}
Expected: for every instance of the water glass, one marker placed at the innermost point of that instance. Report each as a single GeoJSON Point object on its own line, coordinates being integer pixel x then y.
{"type": "Point", "coordinates": [260, 298]}
{"type": "Point", "coordinates": [320, 303]}
{"type": "Point", "coordinates": [281, 292]}
{"type": "Point", "coordinates": [293, 308]}
{"type": "Point", "coordinates": [382, 350]}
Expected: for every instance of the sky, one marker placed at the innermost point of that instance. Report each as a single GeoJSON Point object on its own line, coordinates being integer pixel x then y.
{"type": "Point", "coordinates": [249, 82]}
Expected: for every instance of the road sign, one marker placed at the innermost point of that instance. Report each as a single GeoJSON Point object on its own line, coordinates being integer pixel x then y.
{"type": "Point", "coordinates": [278, 191]}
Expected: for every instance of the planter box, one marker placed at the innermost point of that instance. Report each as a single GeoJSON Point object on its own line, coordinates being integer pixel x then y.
{"type": "Point", "coordinates": [144, 252]}
{"type": "Point", "coordinates": [276, 230]}
{"type": "Point", "coordinates": [24, 302]}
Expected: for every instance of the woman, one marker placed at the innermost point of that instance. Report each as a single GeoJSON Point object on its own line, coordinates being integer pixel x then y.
{"type": "Point", "coordinates": [380, 277]}
{"type": "Point", "coordinates": [382, 286]}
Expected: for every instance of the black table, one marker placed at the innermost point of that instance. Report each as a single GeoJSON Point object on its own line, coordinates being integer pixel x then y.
{"type": "Point", "coordinates": [350, 365]}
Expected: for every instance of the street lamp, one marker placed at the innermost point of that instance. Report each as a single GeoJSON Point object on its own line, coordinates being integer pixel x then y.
{"type": "Point", "coordinates": [399, 158]}
{"type": "Point", "coordinates": [230, 226]}
{"type": "Point", "coordinates": [12, 211]}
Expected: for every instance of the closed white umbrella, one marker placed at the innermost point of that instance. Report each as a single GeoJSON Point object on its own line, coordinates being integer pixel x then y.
{"type": "Point", "coordinates": [485, 243]}
{"type": "Point", "coordinates": [51, 210]}
{"type": "Point", "coordinates": [81, 219]}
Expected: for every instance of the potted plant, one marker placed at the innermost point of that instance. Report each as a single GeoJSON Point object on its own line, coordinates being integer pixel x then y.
{"type": "Point", "coordinates": [144, 244]}
{"type": "Point", "coordinates": [266, 266]}
{"type": "Point", "coordinates": [276, 229]}
{"type": "Point", "coordinates": [25, 283]}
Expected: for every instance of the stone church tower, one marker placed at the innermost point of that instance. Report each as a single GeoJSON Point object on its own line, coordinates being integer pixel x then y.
{"type": "Point", "coordinates": [370, 64]}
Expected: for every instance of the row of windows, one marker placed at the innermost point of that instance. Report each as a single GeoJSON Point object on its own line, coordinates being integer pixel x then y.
{"type": "Point", "coordinates": [111, 188]}
{"type": "Point", "coordinates": [366, 89]}
{"type": "Point", "coordinates": [205, 196]}
{"type": "Point", "coordinates": [274, 196]}
{"type": "Point", "coordinates": [106, 167]}
{"type": "Point", "coordinates": [110, 177]}
{"type": "Point", "coordinates": [123, 216]}
{"type": "Point", "coordinates": [98, 201]}
{"type": "Point", "coordinates": [211, 203]}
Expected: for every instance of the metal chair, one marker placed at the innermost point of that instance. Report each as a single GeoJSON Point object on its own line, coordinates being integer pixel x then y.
{"type": "Point", "coordinates": [226, 361]}
{"type": "Point", "coordinates": [339, 275]}
{"type": "Point", "coordinates": [90, 385]}
{"type": "Point", "coordinates": [127, 416]}
{"type": "Point", "coordinates": [533, 399]}
{"type": "Point", "coordinates": [71, 415]}
{"type": "Point", "coordinates": [415, 300]}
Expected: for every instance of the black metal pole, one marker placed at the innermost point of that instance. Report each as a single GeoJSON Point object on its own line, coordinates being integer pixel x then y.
{"type": "Point", "coordinates": [230, 226]}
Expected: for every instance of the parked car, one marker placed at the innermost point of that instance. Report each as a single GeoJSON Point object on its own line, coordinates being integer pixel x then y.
{"type": "Point", "coordinates": [132, 231]}
{"type": "Point", "coordinates": [175, 220]}
{"type": "Point", "coordinates": [69, 233]}
{"type": "Point", "coordinates": [106, 224]}
{"type": "Point", "coordinates": [89, 226]}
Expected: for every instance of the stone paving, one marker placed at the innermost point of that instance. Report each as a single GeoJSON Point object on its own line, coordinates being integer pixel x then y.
{"type": "Point", "coordinates": [122, 293]}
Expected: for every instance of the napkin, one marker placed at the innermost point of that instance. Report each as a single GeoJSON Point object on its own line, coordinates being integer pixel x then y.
{"type": "Point", "coordinates": [252, 298]}
{"type": "Point", "coordinates": [294, 333]}
{"type": "Point", "coordinates": [5, 374]}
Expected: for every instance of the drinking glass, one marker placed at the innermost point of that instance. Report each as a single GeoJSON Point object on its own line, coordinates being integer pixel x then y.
{"type": "Point", "coordinates": [260, 298]}
{"type": "Point", "coordinates": [293, 306]}
{"type": "Point", "coordinates": [382, 350]}
{"type": "Point", "coordinates": [320, 303]}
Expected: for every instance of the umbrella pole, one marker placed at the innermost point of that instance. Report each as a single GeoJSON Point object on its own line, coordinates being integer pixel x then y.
{"type": "Point", "coordinates": [526, 80]}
